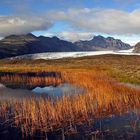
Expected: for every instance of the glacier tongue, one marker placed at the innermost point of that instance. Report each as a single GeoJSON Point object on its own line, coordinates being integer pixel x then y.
{"type": "Point", "coordinates": [59, 55]}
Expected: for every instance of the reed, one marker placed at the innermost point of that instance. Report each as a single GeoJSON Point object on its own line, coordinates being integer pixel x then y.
{"type": "Point", "coordinates": [103, 98]}
{"type": "Point", "coordinates": [30, 81]}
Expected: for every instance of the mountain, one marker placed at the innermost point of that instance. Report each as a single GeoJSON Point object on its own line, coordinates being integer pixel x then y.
{"type": "Point", "coordinates": [54, 44]}
{"type": "Point", "coordinates": [15, 45]}
{"type": "Point", "coordinates": [101, 43]}
{"type": "Point", "coordinates": [137, 48]}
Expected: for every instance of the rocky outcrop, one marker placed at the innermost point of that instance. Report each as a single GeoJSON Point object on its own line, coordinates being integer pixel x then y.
{"type": "Point", "coordinates": [137, 48]}
{"type": "Point", "coordinates": [101, 43]}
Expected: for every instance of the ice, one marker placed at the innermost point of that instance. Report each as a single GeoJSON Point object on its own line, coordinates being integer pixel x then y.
{"type": "Point", "coordinates": [59, 55]}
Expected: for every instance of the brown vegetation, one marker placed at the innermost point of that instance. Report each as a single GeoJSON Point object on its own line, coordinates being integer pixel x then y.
{"type": "Point", "coordinates": [103, 98]}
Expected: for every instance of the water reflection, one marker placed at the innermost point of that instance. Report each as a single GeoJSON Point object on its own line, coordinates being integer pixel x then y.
{"type": "Point", "coordinates": [65, 89]}
{"type": "Point", "coordinates": [117, 127]}
{"type": "Point", "coordinates": [36, 84]}
{"type": "Point", "coordinates": [14, 93]}
{"type": "Point", "coordinates": [30, 80]}
{"type": "Point", "coordinates": [123, 126]}
{"type": "Point", "coordinates": [50, 91]}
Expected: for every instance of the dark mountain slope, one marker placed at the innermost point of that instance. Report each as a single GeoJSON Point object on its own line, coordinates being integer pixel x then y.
{"type": "Point", "coordinates": [15, 45]}
{"type": "Point", "coordinates": [137, 48]}
{"type": "Point", "coordinates": [101, 43]}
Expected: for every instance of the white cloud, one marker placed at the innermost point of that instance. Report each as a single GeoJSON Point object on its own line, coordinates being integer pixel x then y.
{"type": "Point", "coordinates": [72, 36]}
{"type": "Point", "coordinates": [83, 21]}
{"type": "Point", "coordinates": [132, 39]}
{"type": "Point", "coordinates": [76, 36]}
{"type": "Point", "coordinates": [22, 25]}
{"type": "Point", "coordinates": [108, 21]}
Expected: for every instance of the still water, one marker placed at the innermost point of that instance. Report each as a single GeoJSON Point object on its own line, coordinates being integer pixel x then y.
{"type": "Point", "coordinates": [65, 89]}
{"type": "Point", "coordinates": [125, 126]}
{"type": "Point", "coordinates": [27, 85]}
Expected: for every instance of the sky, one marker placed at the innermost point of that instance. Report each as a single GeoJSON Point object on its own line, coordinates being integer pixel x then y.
{"type": "Point", "coordinates": [72, 20]}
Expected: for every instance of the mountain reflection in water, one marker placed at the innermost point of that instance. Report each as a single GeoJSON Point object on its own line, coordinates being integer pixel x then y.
{"type": "Point", "coordinates": [61, 90]}
{"type": "Point", "coordinates": [50, 91]}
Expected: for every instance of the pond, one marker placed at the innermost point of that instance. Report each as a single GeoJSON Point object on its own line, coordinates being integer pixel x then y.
{"type": "Point", "coordinates": [116, 127]}
{"type": "Point", "coordinates": [30, 80]}
{"type": "Point", "coordinates": [48, 84]}
{"type": "Point", "coordinates": [123, 126]}
{"type": "Point", "coordinates": [65, 89]}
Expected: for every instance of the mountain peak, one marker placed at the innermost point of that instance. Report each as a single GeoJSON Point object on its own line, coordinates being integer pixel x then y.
{"type": "Point", "coordinates": [14, 45]}
{"type": "Point", "coordinates": [98, 37]}
{"type": "Point", "coordinates": [29, 35]}
{"type": "Point", "coordinates": [55, 37]}
{"type": "Point", "coordinates": [110, 38]}
{"type": "Point", "coordinates": [137, 48]}
{"type": "Point", "coordinates": [101, 43]}
{"type": "Point", "coordinates": [11, 37]}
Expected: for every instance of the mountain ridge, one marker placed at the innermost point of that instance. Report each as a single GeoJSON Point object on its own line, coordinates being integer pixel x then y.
{"type": "Point", "coordinates": [100, 42]}
{"type": "Point", "coordinates": [137, 48]}
{"type": "Point", "coordinates": [15, 45]}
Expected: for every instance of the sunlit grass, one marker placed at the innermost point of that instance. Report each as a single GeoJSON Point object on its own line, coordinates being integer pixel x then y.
{"type": "Point", "coordinates": [100, 76]}
{"type": "Point", "coordinates": [103, 97]}
{"type": "Point", "coordinates": [122, 68]}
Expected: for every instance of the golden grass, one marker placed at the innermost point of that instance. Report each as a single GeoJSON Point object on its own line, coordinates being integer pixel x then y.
{"type": "Point", "coordinates": [99, 75]}
{"type": "Point", "coordinates": [31, 81]}
{"type": "Point", "coordinates": [121, 67]}
{"type": "Point", "coordinates": [104, 97]}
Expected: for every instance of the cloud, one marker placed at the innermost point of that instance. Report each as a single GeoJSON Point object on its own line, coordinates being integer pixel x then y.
{"type": "Point", "coordinates": [72, 36]}
{"type": "Point", "coordinates": [86, 20]}
{"type": "Point", "coordinates": [75, 36]}
{"type": "Point", "coordinates": [108, 21]}
{"type": "Point", "coordinates": [22, 25]}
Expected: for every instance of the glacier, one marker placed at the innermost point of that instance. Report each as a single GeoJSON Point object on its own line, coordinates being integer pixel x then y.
{"type": "Point", "coordinates": [59, 55]}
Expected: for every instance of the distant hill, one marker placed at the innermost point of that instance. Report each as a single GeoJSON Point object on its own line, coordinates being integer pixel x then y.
{"type": "Point", "coordinates": [15, 45]}
{"type": "Point", "coordinates": [137, 48]}
{"type": "Point", "coordinates": [101, 43]}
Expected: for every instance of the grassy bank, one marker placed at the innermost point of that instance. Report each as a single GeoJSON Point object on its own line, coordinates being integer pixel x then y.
{"type": "Point", "coordinates": [120, 67]}
{"type": "Point", "coordinates": [104, 95]}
